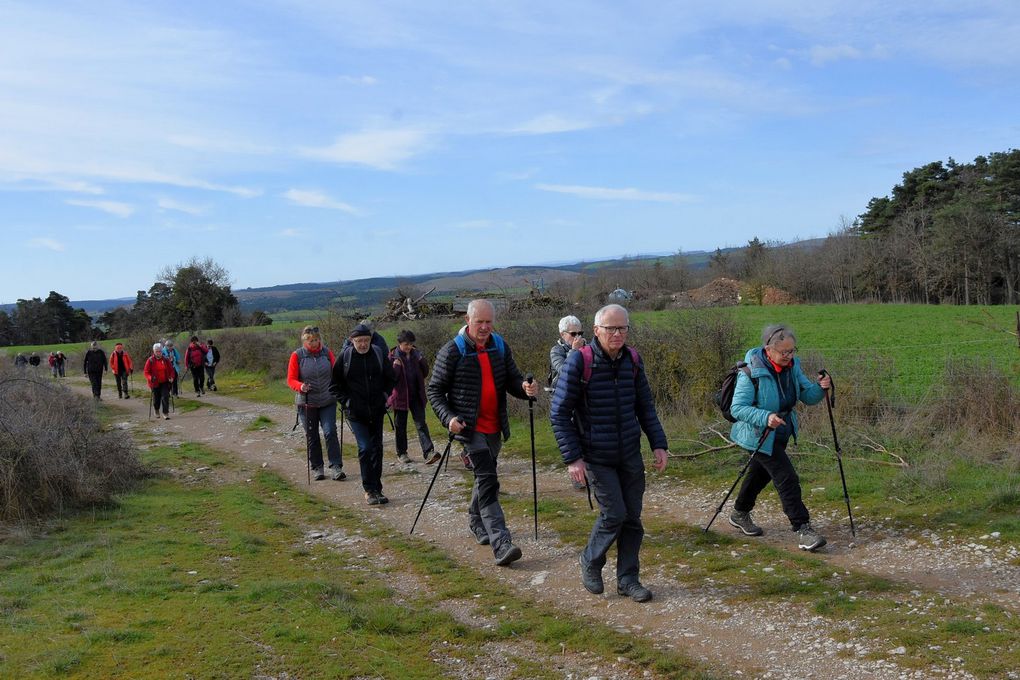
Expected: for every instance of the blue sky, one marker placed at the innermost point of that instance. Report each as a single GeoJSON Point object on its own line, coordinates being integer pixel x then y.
{"type": "Point", "coordinates": [327, 141]}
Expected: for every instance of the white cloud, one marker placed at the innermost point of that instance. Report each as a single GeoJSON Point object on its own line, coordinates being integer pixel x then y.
{"type": "Point", "coordinates": [551, 123]}
{"type": "Point", "coordinates": [359, 80]}
{"type": "Point", "coordinates": [48, 243]}
{"type": "Point", "coordinates": [317, 199]}
{"type": "Point", "coordinates": [171, 204]}
{"type": "Point", "coordinates": [113, 207]}
{"type": "Point", "coordinates": [608, 194]}
{"type": "Point", "coordinates": [290, 232]}
{"type": "Point", "coordinates": [380, 149]}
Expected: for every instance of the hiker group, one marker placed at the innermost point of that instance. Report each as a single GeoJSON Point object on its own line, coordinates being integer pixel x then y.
{"type": "Point", "coordinates": [601, 406]}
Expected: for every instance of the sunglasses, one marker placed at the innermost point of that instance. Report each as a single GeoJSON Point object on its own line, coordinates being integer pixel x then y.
{"type": "Point", "coordinates": [574, 334]}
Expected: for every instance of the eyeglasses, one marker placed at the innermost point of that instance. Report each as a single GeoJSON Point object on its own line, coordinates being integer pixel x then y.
{"type": "Point", "coordinates": [574, 334]}
{"type": "Point", "coordinates": [615, 330]}
{"type": "Point", "coordinates": [784, 352]}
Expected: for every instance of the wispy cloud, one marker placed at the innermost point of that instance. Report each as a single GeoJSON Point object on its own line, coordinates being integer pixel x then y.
{"type": "Point", "coordinates": [380, 149]}
{"type": "Point", "coordinates": [552, 123]}
{"type": "Point", "coordinates": [112, 207]}
{"type": "Point", "coordinates": [608, 194]}
{"type": "Point", "coordinates": [317, 199]}
{"type": "Point", "coordinates": [290, 232]}
{"type": "Point", "coordinates": [171, 204]}
{"type": "Point", "coordinates": [47, 243]}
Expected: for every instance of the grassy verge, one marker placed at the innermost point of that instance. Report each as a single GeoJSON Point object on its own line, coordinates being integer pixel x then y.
{"type": "Point", "coordinates": [209, 574]}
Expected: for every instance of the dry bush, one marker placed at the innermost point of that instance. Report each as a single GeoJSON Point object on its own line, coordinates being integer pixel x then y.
{"type": "Point", "coordinates": [54, 454]}
{"type": "Point", "coordinates": [261, 351]}
{"type": "Point", "coordinates": [430, 334]}
{"type": "Point", "coordinates": [974, 397]}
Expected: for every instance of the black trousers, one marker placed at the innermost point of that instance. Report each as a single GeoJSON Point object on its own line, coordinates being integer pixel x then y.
{"type": "Point", "coordinates": [96, 380]}
{"type": "Point", "coordinates": [122, 383]}
{"type": "Point", "coordinates": [400, 425]}
{"type": "Point", "coordinates": [161, 398]}
{"type": "Point", "coordinates": [778, 469]}
{"type": "Point", "coordinates": [198, 378]}
{"type": "Point", "coordinates": [619, 490]}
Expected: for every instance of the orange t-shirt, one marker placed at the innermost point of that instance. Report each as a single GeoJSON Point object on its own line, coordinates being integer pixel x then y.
{"type": "Point", "coordinates": [488, 407]}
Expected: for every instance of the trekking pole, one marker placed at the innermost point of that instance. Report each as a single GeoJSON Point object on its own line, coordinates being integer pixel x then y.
{"type": "Point", "coordinates": [308, 458]}
{"type": "Point", "coordinates": [439, 466]}
{"type": "Point", "coordinates": [830, 401]}
{"type": "Point", "coordinates": [390, 418]}
{"type": "Point", "coordinates": [534, 473]}
{"type": "Point", "coordinates": [587, 487]}
{"type": "Point", "coordinates": [740, 476]}
{"type": "Point", "coordinates": [151, 397]}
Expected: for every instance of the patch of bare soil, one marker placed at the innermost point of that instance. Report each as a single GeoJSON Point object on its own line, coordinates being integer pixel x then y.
{"type": "Point", "coordinates": [748, 640]}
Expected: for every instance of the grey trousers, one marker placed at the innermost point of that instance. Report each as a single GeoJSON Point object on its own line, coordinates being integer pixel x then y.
{"type": "Point", "coordinates": [485, 511]}
{"type": "Point", "coordinates": [619, 490]}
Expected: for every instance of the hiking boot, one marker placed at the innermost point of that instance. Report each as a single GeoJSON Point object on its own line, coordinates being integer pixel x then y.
{"type": "Point", "coordinates": [337, 473]}
{"type": "Point", "coordinates": [404, 458]}
{"type": "Point", "coordinates": [383, 500]}
{"type": "Point", "coordinates": [372, 497]}
{"type": "Point", "coordinates": [743, 521]}
{"type": "Point", "coordinates": [127, 396]}
{"type": "Point", "coordinates": [317, 474]}
{"type": "Point", "coordinates": [809, 539]}
{"type": "Point", "coordinates": [166, 416]}
{"type": "Point", "coordinates": [507, 553]}
{"type": "Point", "coordinates": [432, 457]}
{"type": "Point", "coordinates": [591, 578]}
{"type": "Point", "coordinates": [197, 395]}
{"type": "Point", "coordinates": [480, 534]}
{"type": "Point", "coordinates": [634, 591]}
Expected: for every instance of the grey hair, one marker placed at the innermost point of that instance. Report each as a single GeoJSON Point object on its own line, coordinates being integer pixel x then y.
{"type": "Point", "coordinates": [776, 333]}
{"type": "Point", "coordinates": [610, 308]}
{"type": "Point", "coordinates": [568, 321]}
{"type": "Point", "coordinates": [474, 304]}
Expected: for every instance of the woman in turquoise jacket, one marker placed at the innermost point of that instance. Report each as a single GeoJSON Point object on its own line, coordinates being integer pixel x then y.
{"type": "Point", "coordinates": [767, 399]}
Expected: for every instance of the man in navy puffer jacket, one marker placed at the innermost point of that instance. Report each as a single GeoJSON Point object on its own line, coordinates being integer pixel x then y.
{"type": "Point", "coordinates": [598, 428]}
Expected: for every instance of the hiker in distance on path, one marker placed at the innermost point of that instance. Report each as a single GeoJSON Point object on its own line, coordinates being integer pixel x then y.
{"type": "Point", "coordinates": [410, 369]}
{"type": "Point", "coordinates": [471, 377]}
{"type": "Point", "coordinates": [21, 361]}
{"type": "Point", "coordinates": [159, 376]}
{"type": "Point", "coordinates": [571, 340]}
{"type": "Point", "coordinates": [194, 358]}
{"type": "Point", "coordinates": [362, 380]}
{"type": "Point", "coordinates": [94, 367]}
{"type": "Point", "coordinates": [120, 364]}
{"type": "Point", "coordinates": [767, 399]}
{"type": "Point", "coordinates": [34, 361]}
{"type": "Point", "coordinates": [53, 364]}
{"type": "Point", "coordinates": [171, 353]}
{"type": "Point", "coordinates": [212, 359]}
{"type": "Point", "coordinates": [309, 373]}
{"type": "Point", "coordinates": [601, 406]}
{"type": "Point", "coordinates": [61, 363]}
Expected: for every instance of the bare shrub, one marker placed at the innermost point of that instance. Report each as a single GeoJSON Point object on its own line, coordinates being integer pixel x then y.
{"type": "Point", "coordinates": [261, 351]}
{"type": "Point", "coordinates": [975, 397]}
{"type": "Point", "coordinates": [54, 453]}
{"type": "Point", "coordinates": [685, 357]}
{"type": "Point", "coordinates": [430, 334]}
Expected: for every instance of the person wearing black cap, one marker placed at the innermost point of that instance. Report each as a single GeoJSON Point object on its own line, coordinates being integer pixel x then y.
{"type": "Point", "coordinates": [94, 367]}
{"type": "Point", "coordinates": [362, 380]}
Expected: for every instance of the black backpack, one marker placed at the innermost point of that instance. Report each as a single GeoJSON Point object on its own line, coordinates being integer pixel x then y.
{"type": "Point", "coordinates": [724, 395]}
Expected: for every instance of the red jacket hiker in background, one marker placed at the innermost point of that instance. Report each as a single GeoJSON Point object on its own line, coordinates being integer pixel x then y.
{"type": "Point", "coordinates": [120, 364]}
{"type": "Point", "coordinates": [159, 376]}
{"type": "Point", "coordinates": [194, 359]}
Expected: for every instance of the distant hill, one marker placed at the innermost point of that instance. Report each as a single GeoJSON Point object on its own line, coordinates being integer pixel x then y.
{"type": "Point", "coordinates": [371, 292]}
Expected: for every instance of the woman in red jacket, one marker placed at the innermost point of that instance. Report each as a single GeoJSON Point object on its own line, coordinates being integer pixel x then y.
{"type": "Point", "coordinates": [159, 375]}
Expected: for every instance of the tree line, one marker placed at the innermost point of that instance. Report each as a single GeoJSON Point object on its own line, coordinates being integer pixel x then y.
{"type": "Point", "coordinates": [187, 297]}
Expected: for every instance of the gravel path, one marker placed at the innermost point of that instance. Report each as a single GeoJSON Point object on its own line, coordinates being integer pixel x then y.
{"type": "Point", "coordinates": [740, 641]}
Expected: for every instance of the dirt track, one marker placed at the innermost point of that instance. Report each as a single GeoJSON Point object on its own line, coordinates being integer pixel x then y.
{"type": "Point", "coordinates": [701, 623]}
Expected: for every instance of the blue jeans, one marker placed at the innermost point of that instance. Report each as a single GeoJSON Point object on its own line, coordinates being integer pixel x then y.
{"type": "Point", "coordinates": [369, 436]}
{"type": "Point", "coordinates": [619, 490]}
{"type": "Point", "coordinates": [485, 512]}
{"type": "Point", "coordinates": [324, 416]}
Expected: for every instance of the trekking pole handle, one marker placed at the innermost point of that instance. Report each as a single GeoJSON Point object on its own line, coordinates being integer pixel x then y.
{"type": "Point", "coordinates": [822, 373]}
{"type": "Point", "coordinates": [530, 378]}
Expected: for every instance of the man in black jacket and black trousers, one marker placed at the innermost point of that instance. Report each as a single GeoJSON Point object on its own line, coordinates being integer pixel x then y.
{"type": "Point", "coordinates": [470, 380]}
{"type": "Point", "coordinates": [95, 366]}
{"type": "Point", "coordinates": [362, 380]}
{"type": "Point", "coordinates": [598, 419]}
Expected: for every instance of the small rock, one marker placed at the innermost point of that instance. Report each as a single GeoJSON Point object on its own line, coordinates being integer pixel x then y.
{"type": "Point", "coordinates": [898, 650]}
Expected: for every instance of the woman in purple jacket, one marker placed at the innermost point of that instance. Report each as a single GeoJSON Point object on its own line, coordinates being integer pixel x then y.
{"type": "Point", "coordinates": [409, 395]}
